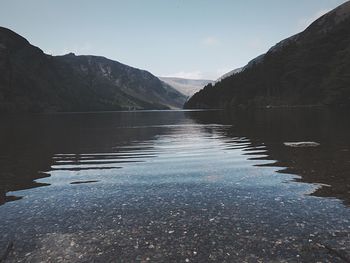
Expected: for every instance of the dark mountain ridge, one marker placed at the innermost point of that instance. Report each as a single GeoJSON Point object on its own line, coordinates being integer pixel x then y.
{"type": "Point", "coordinates": [33, 81]}
{"type": "Point", "coordinates": [310, 68]}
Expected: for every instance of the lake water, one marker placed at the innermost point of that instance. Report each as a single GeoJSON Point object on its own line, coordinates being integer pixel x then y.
{"type": "Point", "coordinates": [175, 186]}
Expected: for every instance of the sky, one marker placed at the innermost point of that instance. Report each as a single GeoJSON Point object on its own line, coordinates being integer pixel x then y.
{"type": "Point", "coordinates": [197, 39]}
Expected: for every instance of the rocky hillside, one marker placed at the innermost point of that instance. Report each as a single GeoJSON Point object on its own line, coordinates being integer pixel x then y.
{"type": "Point", "coordinates": [31, 81]}
{"type": "Point", "coordinates": [310, 68]}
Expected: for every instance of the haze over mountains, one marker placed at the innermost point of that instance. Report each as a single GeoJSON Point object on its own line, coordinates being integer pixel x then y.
{"type": "Point", "coordinates": [33, 81]}
{"type": "Point", "coordinates": [186, 86]}
{"type": "Point", "coordinates": [310, 68]}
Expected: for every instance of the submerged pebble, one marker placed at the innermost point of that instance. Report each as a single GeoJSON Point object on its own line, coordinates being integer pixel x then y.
{"type": "Point", "coordinates": [301, 144]}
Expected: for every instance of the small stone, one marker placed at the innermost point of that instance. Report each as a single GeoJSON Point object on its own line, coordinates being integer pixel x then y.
{"type": "Point", "coordinates": [301, 144]}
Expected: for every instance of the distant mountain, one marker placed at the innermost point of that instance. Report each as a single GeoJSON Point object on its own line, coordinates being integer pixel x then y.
{"type": "Point", "coordinates": [310, 68]}
{"type": "Point", "coordinates": [186, 86]}
{"type": "Point", "coordinates": [33, 81]}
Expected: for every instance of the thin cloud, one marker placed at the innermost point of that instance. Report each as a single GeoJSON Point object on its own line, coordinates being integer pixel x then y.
{"type": "Point", "coordinates": [211, 41]}
{"type": "Point", "coordinates": [197, 74]}
{"type": "Point", "coordinates": [256, 44]}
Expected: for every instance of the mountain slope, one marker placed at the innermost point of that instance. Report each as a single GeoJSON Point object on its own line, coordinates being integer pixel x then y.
{"type": "Point", "coordinates": [310, 68]}
{"type": "Point", "coordinates": [229, 74]}
{"type": "Point", "coordinates": [33, 81]}
{"type": "Point", "coordinates": [186, 86]}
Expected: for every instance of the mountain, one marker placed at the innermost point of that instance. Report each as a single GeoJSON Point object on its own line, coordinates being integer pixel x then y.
{"type": "Point", "coordinates": [186, 86]}
{"type": "Point", "coordinates": [310, 68]}
{"type": "Point", "coordinates": [32, 81]}
{"type": "Point", "coordinates": [239, 70]}
{"type": "Point", "coordinates": [229, 74]}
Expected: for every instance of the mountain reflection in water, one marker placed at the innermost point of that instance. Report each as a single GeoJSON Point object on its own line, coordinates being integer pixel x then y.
{"type": "Point", "coordinates": [175, 186]}
{"type": "Point", "coordinates": [328, 165]}
{"type": "Point", "coordinates": [32, 146]}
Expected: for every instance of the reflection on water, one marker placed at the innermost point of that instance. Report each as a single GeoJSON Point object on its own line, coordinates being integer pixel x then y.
{"type": "Point", "coordinates": [175, 186]}
{"type": "Point", "coordinates": [328, 166]}
{"type": "Point", "coordinates": [32, 146]}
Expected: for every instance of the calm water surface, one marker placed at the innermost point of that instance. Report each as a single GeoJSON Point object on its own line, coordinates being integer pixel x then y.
{"type": "Point", "coordinates": [175, 187]}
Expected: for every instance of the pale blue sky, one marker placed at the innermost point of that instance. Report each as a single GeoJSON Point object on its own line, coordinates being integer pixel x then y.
{"type": "Point", "coordinates": [184, 38]}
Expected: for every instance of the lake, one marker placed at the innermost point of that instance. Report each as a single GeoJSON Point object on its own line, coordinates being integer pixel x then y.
{"type": "Point", "coordinates": [175, 186]}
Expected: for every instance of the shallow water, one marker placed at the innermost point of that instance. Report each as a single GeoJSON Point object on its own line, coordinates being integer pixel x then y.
{"type": "Point", "coordinates": [175, 186]}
